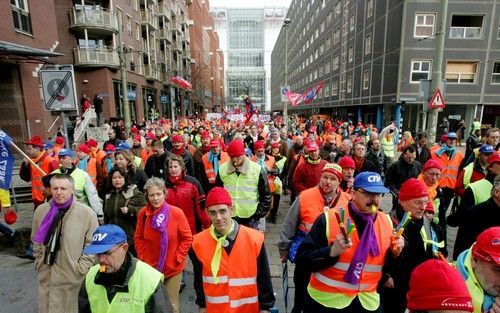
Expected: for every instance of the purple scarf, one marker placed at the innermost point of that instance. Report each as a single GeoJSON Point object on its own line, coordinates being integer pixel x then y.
{"type": "Point", "coordinates": [159, 222]}
{"type": "Point", "coordinates": [43, 230]}
{"type": "Point", "coordinates": [367, 244]}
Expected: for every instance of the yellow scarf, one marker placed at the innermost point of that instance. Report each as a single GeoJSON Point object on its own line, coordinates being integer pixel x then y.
{"type": "Point", "coordinates": [215, 265]}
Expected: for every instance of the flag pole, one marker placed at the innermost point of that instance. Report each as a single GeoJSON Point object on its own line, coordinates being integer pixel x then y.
{"type": "Point", "coordinates": [13, 145]}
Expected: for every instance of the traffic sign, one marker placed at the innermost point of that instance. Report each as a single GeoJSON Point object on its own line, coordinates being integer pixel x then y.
{"type": "Point", "coordinates": [283, 91]}
{"type": "Point", "coordinates": [437, 100]}
{"type": "Point", "coordinates": [58, 88]}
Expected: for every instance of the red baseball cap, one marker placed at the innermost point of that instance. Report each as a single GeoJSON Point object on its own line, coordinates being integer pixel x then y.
{"type": "Point", "coordinates": [214, 143]}
{"type": "Point", "coordinates": [177, 138]}
{"type": "Point", "coordinates": [91, 143]}
{"type": "Point", "coordinates": [313, 146]}
{"type": "Point", "coordinates": [83, 148]}
{"type": "Point", "coordinates": [487, 246]}
{"type": "Point", "coordinates": [494, 158]}
{"type": "Point", "coordinates": [258, 145]}
{"type": "Point", "coordinates": [35, 141]}
{"type": "Point", "coordinates": [275, 145]}
{"type": "Point", "coordinates": [137, 137]}
{"type": "Point", "coordinates": [60, 140]}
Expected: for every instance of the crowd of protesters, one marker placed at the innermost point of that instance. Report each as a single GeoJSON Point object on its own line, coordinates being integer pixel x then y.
{"type": "Point", "coordinates": [206, 189]}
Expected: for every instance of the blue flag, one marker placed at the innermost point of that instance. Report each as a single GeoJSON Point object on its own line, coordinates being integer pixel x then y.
{"type": "Point", "coordinates": [6, 161]}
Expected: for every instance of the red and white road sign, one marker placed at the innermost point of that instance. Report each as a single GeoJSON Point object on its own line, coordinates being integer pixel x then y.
{"type": "Point", "coordinates": [437, 100]}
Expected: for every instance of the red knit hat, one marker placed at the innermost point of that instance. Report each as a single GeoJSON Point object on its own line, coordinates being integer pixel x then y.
{"type": "Point", "coordinates": [412, 189]}
{"type": "Point", "coordinates": [347, 162]}
{"type": "Point", "coordinates": [218, 195]}
{"type": "Point", "coordinates": [432, 163]}
{"type": "Point", "coordinates": [83, 148]}
{"type": "Point", "coordinates": [91, 143]}
{"type": "Point", "coordinates": [435, 285]}
{"type": "Point", "coordinates": [258, 145]}
{"type": "Point", "coordinates": [430, 207]}
{"type": "Point", "coordinates": [487, 246]}
{"type": "Point", "coordinates": [313, 146]}
{"type": "Point", "coordinates": [137, 137]}
{"type": "Point", "coordinates": [236, 148]}
{"type": "Point", "coordinates": [334, 169]}
{"type": "Point", "coordinates": [214, 143]}
{"type": "Point", "coordinates": [204, 134]}
{"type": "Point", "coordinates": [60, 140]}
{"type": "Point", "coordinates": [110, 148]}
{"type": "Point", "coordinates": [494, 158]}
{"type": "Point", "coordinates": [275, 145]}
{"type": "Point", "coordinates": [177, 138]}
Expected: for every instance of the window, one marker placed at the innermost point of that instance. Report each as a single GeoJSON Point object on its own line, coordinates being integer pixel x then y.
{"type": "Point", "coordinates": [349, 83]}
{"type": "Point", "coordinates": [335, 88]}
{"type": "Point", "coordinates": [336, 36]}
{"type": "Point", "coordinates": [129, 25]}
{"type": "Point", "coordinates": [137, 31]}
{"type": "Point", "coordinates": [366, 80]}
{"type": "Point", "coordinates": [369, 8]}
{"type": "Point", "coordinates": [424, 25]}
{"type": "Point", "coordinates": [328, 67]}
{"type": "Point", "coordinates": [350, 54]}
{"type": "Point", "coordinates": [337, 7]}
{"type": "Point", "coordinates": [328, 43]}
{"type": "Point", "coordinates": [322, 27]}
{"type": "Point", "coordinates": [329, 18]}
{"type": "Point", "coordinates": [335, 63]}
{"type": "Point", "coordinates": [321, 49]}
{"type": "Point", "coordinates": [368, 44]}
{"type": "Point", "coordinates": [495, 78]}
{"type": "Point", "coordinates": [351, 22]}
{"type": "Point", "coordinates": [21, 15]}
{"type": "Point", "coordinates": [466, 26]}
{"type": "Point", "coordinates": [461, 72]}
{"type": "Point", "coordinates": [420, 70]}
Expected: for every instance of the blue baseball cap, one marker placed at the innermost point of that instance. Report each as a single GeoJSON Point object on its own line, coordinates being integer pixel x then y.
{"type": "Point", "coordinates": [66, 152]}
{"type": "Point", "coordinates": [105, 237]}
{"type": "Point", "coordinates": [48, 145]}
{"type": "Point", "coordinates": [123, 146]}
{"type": "Point", "coordinates": [486, 149]}
{"type": "Point", "coordinates": [370, 182]}
{"type": "Point", "coordinates": [451, 135]}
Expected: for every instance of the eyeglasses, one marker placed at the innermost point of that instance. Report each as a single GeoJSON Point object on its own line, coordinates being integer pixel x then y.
{"type": "Point", "coordinates": [221, 212]}
{"type": "Point", "coordinates": [369, 194]}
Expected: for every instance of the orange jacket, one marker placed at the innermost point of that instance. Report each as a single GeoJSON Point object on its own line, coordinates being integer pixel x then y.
{"type": "Point", "coordinates": [331, 279]}
{"type": "Point", "coordinates": [209, 168]}
{"type": "Point", "coordinates": [147, 240]}
{"type": "Point", "coordinates": [451, 167]}
{"type": "Point", "coordinates": [312, 205]}
{"type": "Point", "coordinates": [92, 169]}
{"type": "Point", "coordinates": [236, 290]}
{"type": "Point", "coordinates": [98, 155]}
{"type": "Point", "coordinates": [48, 165]}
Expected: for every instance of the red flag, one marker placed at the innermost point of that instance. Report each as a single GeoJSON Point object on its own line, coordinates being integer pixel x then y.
{"type": "Point", "coordinates": [294, 98]}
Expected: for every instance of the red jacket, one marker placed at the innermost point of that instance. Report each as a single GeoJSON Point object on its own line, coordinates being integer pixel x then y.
{"type": "Point", "coordinates": [476, 175]}
{"type": "Point", "coordinates": [147, 240]}
{"type": "Point", "coordinates": [307, 175]}
{"type": "Point", "coordinates": [188, 195]}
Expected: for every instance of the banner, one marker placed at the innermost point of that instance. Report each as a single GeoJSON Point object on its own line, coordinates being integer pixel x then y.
{"type": "Point", "coordinates": [213, 116]}
{"type": "Point", "coordinates": [307, 97]}
{"type": "Point", "coordinates": [6, 161]}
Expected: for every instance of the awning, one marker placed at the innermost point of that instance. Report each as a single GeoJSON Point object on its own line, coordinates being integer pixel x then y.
{"type": "Point", "coordinates": [9, 48]}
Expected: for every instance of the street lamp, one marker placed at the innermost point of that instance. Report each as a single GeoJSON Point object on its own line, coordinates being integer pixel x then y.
{"type": "Point", "coordinates": [286, 23]}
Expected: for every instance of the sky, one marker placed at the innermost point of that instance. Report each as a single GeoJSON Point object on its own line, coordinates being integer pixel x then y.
{"type": "Point", "coordinates": [249, 4]}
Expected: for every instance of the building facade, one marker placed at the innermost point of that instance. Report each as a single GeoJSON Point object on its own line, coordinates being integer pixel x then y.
{"type": "Point", "coordinates": [248, 35]}
{"type": "Point", "coordinates": [207, 60]}
{"type": "Point", "coordinates": [372, 54]}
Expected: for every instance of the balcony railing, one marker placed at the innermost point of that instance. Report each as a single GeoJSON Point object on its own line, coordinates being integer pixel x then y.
{"type": "Point", "coordinates": [164, 10]}
{"type": "Point", "coordinates": [165, 34]}
{"type": "Point", "coordinates": [152, 72]}
{"type": "Point", "coordinates": [175, 26]}
{"type": "Point", "coordinates": [185, 36]}
{"type": "Point", "coordinates": [96, 57]}
{"type": "Point", "coordinates": [465, 32]}
{"type": "Point", "coordinates": [93, 18]}
{"type": "Point", "coordinates": [176, 45]}
{"type": "Point", "coordinates": [149, 18]}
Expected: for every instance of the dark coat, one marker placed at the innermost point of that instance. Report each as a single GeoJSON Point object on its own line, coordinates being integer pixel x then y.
{"type": "Point", "coordinates": [424, 155]}
{"type": "Point", "coordinates": [399, 172]}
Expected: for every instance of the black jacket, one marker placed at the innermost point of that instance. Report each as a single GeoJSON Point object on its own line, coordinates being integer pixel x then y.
{"type": "Point", "coordinates": [116, 282]}
{"type": "Point", "coordinates": [368, 166]}
{"type": "Point", "coordinates": [424, 155]}
{"type": "Point", "coordinates": [399, 172]}
{"type": "Point", "coordinates": [476, 220]}
{"type": "Point", "coordinates": [156, 166]}
{"type": "Point", "coordinates": [379, 159]}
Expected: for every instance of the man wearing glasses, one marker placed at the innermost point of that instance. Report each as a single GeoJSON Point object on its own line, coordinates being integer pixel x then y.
{"type": "Point", "coordinates": [231, 270]}
{"type": "Point", "coordinates": [120, 282]}
{"type": "Point", "coordinates": [347, 266]}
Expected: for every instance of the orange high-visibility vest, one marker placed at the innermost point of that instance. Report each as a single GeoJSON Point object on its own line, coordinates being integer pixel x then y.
{"type": "Point", "coordinates": [209, 168]}
{"type": "Point", "coordinates": [331, 279]}
{"type": "Point", "coordinates": [43, 161]}
{"type": "Point", "coordinates": [451, 167]}
{"type": "Point", "coordinates": [312, 205]}
{"type": "Point", "coordinates": [236, 290]}
{"type": "Point", "coordinates": [98, 155]}
{"type": "Point", "coordinates": [91, 169]}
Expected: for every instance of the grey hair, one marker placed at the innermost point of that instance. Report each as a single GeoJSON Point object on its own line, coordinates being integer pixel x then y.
{"type": "Point", "coordinates": [61, 176]}
{"type": "Point", "coordinates": [496, 182]}
{"type": "Point", "coordinates": [155, 182]}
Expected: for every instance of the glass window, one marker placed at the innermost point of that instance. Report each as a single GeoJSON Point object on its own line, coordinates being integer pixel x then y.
{"type": "Point", "coordinates": [350, 54]}
{"type": "Point", "coordinates": [495, 78]}
{"type": "Point", "coordinates": [336, 36]}
{"type": "Point", "coordinates": [335, 88]}
{"type": "Point", "coordinates": [366, 80]}
{"type": "Point", "coordinates": [351, 22]}
{"type": "Point", "coordinates": [349, 83]}
{"type": "Point", "coordinates": [466, 26]}
{"type": "Point", "coordinates": [424, 25]}
{"type": "Point", "coordinates": [420, 69]}
{"type": "Point", "coordinates": [369, 8]}
{"type": "Point", "coordinates": [461, 72]}
{"type": "Point", "coordinates": [368, 44]}
{"type": "Point", "coordinates": [21, 15]}
{"type": "Point", "coordinates": [335, 63]}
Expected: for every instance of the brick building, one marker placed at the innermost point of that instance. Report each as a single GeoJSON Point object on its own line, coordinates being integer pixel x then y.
{"type": "Point", "coordinates": [207, 60]}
